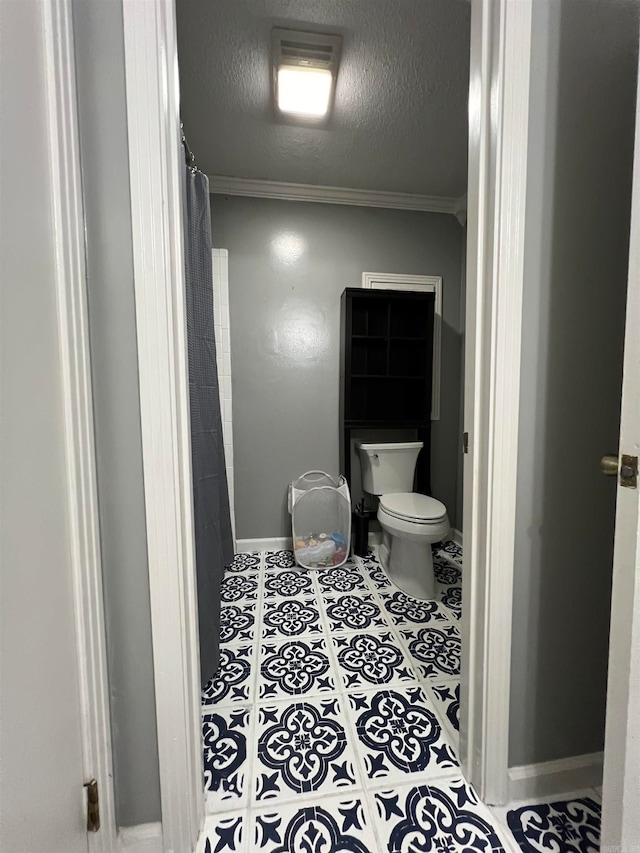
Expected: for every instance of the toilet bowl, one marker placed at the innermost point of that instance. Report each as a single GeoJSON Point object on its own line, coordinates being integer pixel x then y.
{"type": "Point", "coordinates": [410, 521]}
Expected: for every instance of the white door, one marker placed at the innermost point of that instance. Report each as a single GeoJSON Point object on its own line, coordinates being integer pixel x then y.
{"type": "Point", "coordinates": [621, 790]}
{"type": "Point", "coordinates": [41, 771]}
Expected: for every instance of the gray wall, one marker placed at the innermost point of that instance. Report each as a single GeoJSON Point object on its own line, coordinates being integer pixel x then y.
{"type": "Point", "coordinates": [581, 146]}
{"type": "Point", "coordinates": [288, 265]}
{"type": "Point", "coordinates": [103, 132]}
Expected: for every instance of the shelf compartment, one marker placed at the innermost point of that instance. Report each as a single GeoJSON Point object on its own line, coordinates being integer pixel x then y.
{"type": "Point", "coordinates": [369, 317]}
{"type": "Point", "coordinates": [409, 319]}
{"type": "Point", "coordinates": [368, 356]}
{"type": "Point", "coordinates": [408, 357]}
{"type": "Point", "coordinates": [401, 399]}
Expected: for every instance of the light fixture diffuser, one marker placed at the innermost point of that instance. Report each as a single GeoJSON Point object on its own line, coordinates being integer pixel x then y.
{"type": "Point", "coordinates": [304, 91]}
{"type": "Point", "coordinates": [305, 68]}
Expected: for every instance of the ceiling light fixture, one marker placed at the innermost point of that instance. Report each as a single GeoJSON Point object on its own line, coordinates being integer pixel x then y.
{"type": "Point", "coordinates": [305, 67]}
{"type": "Point", "coordinates": [304, 91]}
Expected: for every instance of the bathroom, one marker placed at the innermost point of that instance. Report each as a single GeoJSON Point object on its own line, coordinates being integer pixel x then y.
{"type": "Point", "coordinates": [287, 252]}
{"type": "Point", "coordinates": [324, 727]}
{"type": "Point", "coordinates": [556, 702]}
{"type": "Point", "coordinates": [282, 265]}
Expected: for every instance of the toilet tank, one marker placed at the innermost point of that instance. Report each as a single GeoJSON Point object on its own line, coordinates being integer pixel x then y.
{"type": "Point", "coordinates": [388, 468]}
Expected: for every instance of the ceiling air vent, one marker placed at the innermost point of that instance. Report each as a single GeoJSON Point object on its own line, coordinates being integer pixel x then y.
{"type": "Point", "coordinates": [305, 67]}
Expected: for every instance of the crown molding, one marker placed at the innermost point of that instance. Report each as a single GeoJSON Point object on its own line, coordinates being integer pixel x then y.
{"type": "Point", "coordinates": [221, 185]}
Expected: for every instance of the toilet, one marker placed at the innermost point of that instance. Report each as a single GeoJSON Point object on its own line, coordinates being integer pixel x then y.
{"type": "Point", "coordinates": [410, 521]}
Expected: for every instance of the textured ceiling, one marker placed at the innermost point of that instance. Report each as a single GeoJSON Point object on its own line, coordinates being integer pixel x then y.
{"type": "Point", "coordinates": [400, 117]}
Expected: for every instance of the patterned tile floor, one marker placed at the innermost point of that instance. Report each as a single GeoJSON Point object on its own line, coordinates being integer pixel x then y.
{"type": "Point", "coordinates": [331, 725]}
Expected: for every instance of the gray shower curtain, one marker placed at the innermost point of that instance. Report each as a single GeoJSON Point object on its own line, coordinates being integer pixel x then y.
{"type": "Point", "coordinates": [214, 541]}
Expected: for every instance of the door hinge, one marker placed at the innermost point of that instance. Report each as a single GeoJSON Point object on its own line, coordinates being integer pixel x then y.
{"type": "Point", "coordinates": [465, 442]}
{"type": "Point", "coordinates": [93, 806]}
{"type": "Point", "coordinates": [629, 471]}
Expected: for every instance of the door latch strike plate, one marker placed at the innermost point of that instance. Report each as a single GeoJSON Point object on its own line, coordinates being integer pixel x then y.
{"type": "Point", "coordinates": [465, 442]}
{"type": "Point", "coordinates": [93, 806]}
{"type": "Point", "coordinates": [629, 471]}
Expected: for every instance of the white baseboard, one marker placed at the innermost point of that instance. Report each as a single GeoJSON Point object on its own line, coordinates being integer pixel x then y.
{"type": "Point", "coordinates": [145, 838]}
{"type": "Point", "coordinates": [456, 536]}
{"type": "Point", "coordinates": [278, 543]}
{"type": "Point", "coordinates": [555, 777]}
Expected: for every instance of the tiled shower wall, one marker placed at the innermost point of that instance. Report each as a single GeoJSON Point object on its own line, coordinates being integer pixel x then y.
{"type": "Point", "coordinates": [223, 356]}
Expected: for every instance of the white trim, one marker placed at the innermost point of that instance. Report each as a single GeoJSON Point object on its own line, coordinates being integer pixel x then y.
{"type": "Point", "coordinates": [145, 838]}
{"type": "Point", "coordinates": [499, 110]}
{"type": "Point", "coordinates": [155, 163]}
{"type": "Point", "coordinates": [221, 185]}
{"type": "Point", "coordinates": [420, 284]}
{"type": "Point", "coordinates": [555, 777]}
{"type": "Point", "coordinates": [222, 330]}
{"type": "Point", "coordinates": [276, 543]}
{"type": "Point", "coordinates": [456, 536]}
{"type": "Point", "coordinates": [71, 291]}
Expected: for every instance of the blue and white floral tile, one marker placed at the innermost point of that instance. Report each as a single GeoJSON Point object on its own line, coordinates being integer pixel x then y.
{"type": "Point", "coordinates": [451, 598]}
{"type": "Point", "coordinates": [225, 833]}
{"type": "Point", "coordinates": [446, 697]}
{"type": "Point", "coordinates": [239, 586]}
{"type": "Point", "coordinates": [238, 622]}
{"type": "Point", "coordinates": [279, 560]}
{"type": "Point", "coordinates": [446, 572]}
{"type": "Point", "coordinates": [288, 583]}
{"type": "Point", "coordinates": [399, 735]}
{"type": "Point", "coordinates": [450, 551]}
{"type": "Point", "coordinates": [443, 817]}
{"type": "Point", "coordinates": [377, 577]}
{"type": "Point", "coordinates": [405, 610]}
{"type": "Point", "coordinates": [353, 612]}
{"type": "Point", "coordinates": [340, 579]}
{"type": "Point", "coordinates": [290, 617]}
{"type": "Point", "coordinates": [245, 563]}
{"type": "Point", "coordinates": [434, 650]}
{"type": "Point", "coordinates": [234, 680]}
{"type": "Point", "coordinates": [227, 739]}
{"type": "Point", "coordinates": [303, 748]}
{"type": "Point", "coordinates": [295, 668]}
{"type": "Point", "coordinates": [335, 824]}
{"type": "Point", "coordinates": [371, 560]}
{"type": "Point", "coordinates": [371, 659]}
{"type": "Point", "coordinates": [570, 826]}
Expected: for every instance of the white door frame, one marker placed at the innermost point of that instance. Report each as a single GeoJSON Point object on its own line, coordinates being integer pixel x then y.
{"type": "Point", "coordinates": [155, 168]}
{"type": "Point", "coordinates": [498, 134]}
{"type": "Point", "coordinates": [498, 146]}
{"type": "Point", "coordinates": [73, 325]}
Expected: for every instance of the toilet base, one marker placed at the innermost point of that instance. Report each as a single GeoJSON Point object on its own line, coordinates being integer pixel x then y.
{"type": "Point", "coordinates": [409, 565]}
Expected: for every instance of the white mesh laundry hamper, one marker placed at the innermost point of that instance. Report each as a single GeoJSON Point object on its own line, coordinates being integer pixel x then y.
{"type": "Point", "coordinates": [320, 508]}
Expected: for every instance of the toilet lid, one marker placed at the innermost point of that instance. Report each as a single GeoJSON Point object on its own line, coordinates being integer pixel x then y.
{"type": "Point", "coordinates": [413, 507]}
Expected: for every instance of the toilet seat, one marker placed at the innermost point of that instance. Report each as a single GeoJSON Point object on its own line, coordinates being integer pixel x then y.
{"type": "Point", "coordinates": [413, 507]}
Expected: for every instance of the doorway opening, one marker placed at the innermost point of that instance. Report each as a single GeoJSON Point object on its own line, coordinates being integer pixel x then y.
{"type": "Point", "coordinates": [488, 435]}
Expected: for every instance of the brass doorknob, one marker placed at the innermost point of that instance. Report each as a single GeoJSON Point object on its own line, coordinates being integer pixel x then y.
{"type": "Point", "coordinates": [609, 466]}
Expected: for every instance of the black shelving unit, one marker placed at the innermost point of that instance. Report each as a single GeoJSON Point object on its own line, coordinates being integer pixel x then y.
{"type": "Point", "coordinates": [386, 363]}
